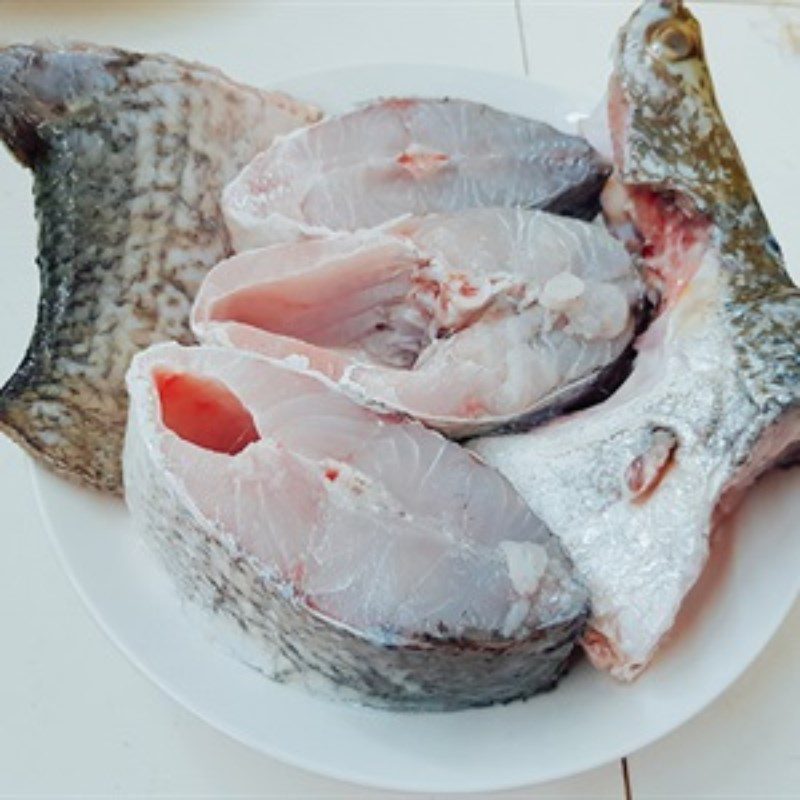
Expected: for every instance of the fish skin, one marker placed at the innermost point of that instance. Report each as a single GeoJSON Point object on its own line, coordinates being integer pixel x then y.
{"type": "Point", "coordinates": [714, 397]}
{"type": "Point", "coordinates": [403, 156]}
{"type": "Point", "coordinates": [759, 295]}
{"type": "Point", "coordinates": [265, 589]}
{"type": "Point", "coordinates": [129, 154]}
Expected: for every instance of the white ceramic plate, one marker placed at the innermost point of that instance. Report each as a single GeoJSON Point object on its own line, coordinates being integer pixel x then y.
{"type": "Point", "coordinates": [752, 583]}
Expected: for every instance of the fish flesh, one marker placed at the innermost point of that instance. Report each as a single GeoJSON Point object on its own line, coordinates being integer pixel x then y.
{"type": "Point", "coordinates": [408, 156]}
{"type": "Point", "coordinates": [129, 154]}
{"type": "Point", "coordinates": [360, 554]}
{"type": "Point", "coordinates": [632, 486]}
{"type": "Point", "coordinates": [469, 322]}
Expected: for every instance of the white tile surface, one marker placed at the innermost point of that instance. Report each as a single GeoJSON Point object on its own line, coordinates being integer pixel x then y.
{"type": "Point", "coordinates": [75, 717]}
{"type": "Point", "coordinates": [275, 39]}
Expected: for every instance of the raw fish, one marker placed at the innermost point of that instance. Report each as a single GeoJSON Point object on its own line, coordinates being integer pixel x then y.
{"type": "Point", "coordinates": [129, 154]}
{"type": "Point", "coordinates": [632, 486]}
{"type": "Point", "coordinates": [408, 156]}
{"type": "Point", "coordinates": [359, 554]}
{"type": "Point", "coordinates": [472, 321]}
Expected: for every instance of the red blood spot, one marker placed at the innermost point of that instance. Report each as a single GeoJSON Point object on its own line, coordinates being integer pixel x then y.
{"type": "Point", "coordinates": [473, 408]}
{"type": "Point", "coordinates": [331, 473]}
{"type": "Point", "coordinates": [401, 103]}
{"type": "Point", "coordinates": [634, 475]}
{"type": "Point", "coordinates": [689, 236]}
{"type": "Point", "coordinates": [205, 412]}
{"type": "Point", "coordinates": [600, 649]}
{"type": "Point", "coordinates": [422, 163]}
{"type": "Point", "coordinates": [422, 159]}
{"type": "Point", "coordinates": [670, 233]}
{"type": "Point", "coordinates": [468, 290]}
{"type": "Point", "coordinates": [426, 285]}
{"type": "Point", "coordinates": [313, 605]}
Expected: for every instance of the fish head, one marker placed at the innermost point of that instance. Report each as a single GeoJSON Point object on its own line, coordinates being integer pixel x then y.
{"type": "Point", "coordinates": [667, 131]}
{"type": "Point", "coordinates": [689, 199]}
{"type": "Point", "coordinates": [684, 186]}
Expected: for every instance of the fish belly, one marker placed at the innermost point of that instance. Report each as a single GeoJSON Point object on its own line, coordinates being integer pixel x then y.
{"type": "Point", "coordinates": [632, 485]}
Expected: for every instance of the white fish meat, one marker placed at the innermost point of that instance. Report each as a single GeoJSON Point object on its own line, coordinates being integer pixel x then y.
{"type": "Point", "coordinates": [631, 487]}
{"type": "Point", "coordinates": [469, 321]}
{"type": "Point", "coordinates": [408, 156]}
{"type": "Point", "coordinates": [351, 551]}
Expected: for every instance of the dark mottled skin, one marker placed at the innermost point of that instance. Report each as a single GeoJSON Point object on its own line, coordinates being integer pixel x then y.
{"type": "Point", "coordinates": [129, 153]}
{"type": "Point", "coordinates": [673, 120]}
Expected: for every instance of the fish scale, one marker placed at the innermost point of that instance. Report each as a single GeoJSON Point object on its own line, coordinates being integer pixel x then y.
{"type": "Point", "coordinates": [129, 154]}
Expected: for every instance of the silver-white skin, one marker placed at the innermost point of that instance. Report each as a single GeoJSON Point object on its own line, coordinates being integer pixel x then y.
{"type": "Point", "coordinates": [632, 485]}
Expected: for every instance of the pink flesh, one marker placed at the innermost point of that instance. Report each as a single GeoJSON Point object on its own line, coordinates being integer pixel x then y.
{"type": "Point", "coordinates": [204, 412]}
{"type": "Point", "coordinates": [422, 163]}
{"type": "Point", "coordinates": [376, 521]}
{"type": "Point", "coordinates": [327, 362]}
{"type": "Point", "coordinates": [403, 389]}
{"type": "Point", "coordinates": [332, 306]}
{"type": "Point", "coordinates": [672, 241]}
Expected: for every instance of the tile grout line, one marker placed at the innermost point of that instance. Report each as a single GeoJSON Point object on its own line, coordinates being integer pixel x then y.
{"type": "Point", "coordinates": [523, 44]}
{"type": "Point", "coordinates": [626, 779]}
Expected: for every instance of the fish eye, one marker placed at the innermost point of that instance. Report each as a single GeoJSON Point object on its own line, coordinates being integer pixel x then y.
{"type": "Point", "coordinates": [672, 41]}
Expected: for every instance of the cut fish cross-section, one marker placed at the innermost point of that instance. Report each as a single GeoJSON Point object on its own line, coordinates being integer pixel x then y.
{"type": "Point", "coordinates": [340, 547]}
{"type": "Point", "coordinates": [469, 322]}
{"type": "Point", "coordinates": [408, 156]}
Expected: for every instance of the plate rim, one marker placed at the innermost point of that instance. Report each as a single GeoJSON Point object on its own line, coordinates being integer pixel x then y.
{"type": "Point", "coordinates": [291, 757]}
